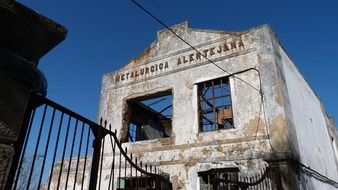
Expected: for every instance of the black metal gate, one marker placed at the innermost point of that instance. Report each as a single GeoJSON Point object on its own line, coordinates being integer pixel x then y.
{"type": "Point", "coordinates": [60, 149]}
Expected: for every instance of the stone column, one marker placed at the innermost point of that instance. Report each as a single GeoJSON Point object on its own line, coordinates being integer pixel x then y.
{"type": "Point", "coordinates": [25, 36]}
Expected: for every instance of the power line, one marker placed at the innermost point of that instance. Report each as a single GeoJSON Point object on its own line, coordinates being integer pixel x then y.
{"type": "Point", "coordinates": [317, 175]}
{"type": "Point", "coordinates": [313, 172]}
{"type": "Point", "coordinates": [232, 74]}
{"type": "Point", "coordinates": [258, 123]}
{"type": "Point", "coordinates": [192, 47]}
{"type": "Point", "coordinates": [166, 26]}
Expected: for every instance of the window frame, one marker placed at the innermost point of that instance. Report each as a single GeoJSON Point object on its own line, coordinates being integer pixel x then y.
{"type": "Point", "coordinates": [213, 98]}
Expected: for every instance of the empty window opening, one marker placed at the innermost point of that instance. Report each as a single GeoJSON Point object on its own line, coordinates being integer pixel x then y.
{"type": "Point", "coordinates": [149, 117]}
{"type": "Point", "coordinates": [215, 109]}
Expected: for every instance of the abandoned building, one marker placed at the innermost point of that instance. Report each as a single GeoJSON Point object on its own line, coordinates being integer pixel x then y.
{"type": "Point", "coordinates": [229, 107]}
{"type": "Point", "coordinates": [220, 110]}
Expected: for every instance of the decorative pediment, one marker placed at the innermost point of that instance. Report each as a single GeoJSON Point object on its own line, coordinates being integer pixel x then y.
{"type": "Point", "coordinates": [168, 43]}
{"type": "Point", "coordinates": [168, 53]}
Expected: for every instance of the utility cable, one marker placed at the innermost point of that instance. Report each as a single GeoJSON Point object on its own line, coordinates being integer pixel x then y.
{"type": "Point", "coordinates": [313, 172]}
{"type": "Point", "coordinates": [317, 175]}
{"type": "Point", "coordinates": [258, 123]}
{"type": "Point", "coordinates": [192, 47]}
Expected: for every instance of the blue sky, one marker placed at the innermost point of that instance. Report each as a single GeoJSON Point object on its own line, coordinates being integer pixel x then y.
{"type": "Point", "coordinates": [104, 35]}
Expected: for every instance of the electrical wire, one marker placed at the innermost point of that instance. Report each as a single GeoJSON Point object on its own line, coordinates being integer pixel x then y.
{"type": "Point", "coordinates": [258, 122]}
{"type": "Point", "coordinates": [311, 171]}
{"type": "Point", "coordinates": [192, 47]}
{"type": "Point", "coordinates": [267, 129]}
{"type": "Point", "coordinates": [317, 175]}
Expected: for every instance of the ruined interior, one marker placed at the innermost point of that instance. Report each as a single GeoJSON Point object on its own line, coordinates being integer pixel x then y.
{"type": "Point", "coordinates": [149, 117]}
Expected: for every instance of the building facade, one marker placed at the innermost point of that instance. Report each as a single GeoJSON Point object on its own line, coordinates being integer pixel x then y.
{"type": "Point", "coordinates": [232, 106]}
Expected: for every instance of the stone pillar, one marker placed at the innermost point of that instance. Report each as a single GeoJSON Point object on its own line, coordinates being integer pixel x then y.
{"type": "Point", "coordinates": [25, 36]}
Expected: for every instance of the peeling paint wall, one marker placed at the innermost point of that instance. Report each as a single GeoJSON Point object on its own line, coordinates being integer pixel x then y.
{"type": "Point", "coordinates": [311, 126]}
{"type": "Point", "coordinates": [188, 150]}
{"type": "Point", "coordinates": [265, 127]}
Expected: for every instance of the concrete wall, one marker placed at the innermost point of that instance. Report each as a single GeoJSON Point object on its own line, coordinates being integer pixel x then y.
{"type": "Point", "coordinates": [274, 110]}
{"type": "Point", "coordinates": [310, 137]}
{"type": "Point", "coordinates": [189, 151]}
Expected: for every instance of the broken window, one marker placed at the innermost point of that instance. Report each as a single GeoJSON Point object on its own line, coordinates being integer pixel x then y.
{"type": "Point", "coordinates": [215, 110]}
{"type": "Point", "coordinates": [217, 179]}
{"type": "Point", "coordinates": [149, 117]}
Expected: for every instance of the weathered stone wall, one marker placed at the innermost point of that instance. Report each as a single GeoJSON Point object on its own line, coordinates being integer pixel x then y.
{"type": "Point", "coordinates": [188, 151]}
{"type": "Point", "coordinates": [13, 100]}
{"type": "Point", "coordinates": [25, 36]}
{"type": "Point", "coordinates": [265, 123]}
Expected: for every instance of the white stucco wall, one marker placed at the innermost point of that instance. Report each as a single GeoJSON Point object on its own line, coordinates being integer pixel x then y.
{"type": "Point", "coordinates": [290, 114]}
{"type": "Point", "coordinates": [189, 150]}
{"type": "Point", "coordinates": [309, 122]}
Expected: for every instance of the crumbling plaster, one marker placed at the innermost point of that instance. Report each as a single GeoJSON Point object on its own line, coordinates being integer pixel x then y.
{"type": "Point", "coordinates": [189, 148]}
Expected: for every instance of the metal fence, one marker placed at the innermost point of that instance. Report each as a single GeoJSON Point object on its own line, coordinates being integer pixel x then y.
{"type": "Point", "coordinates": [60, 149]}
